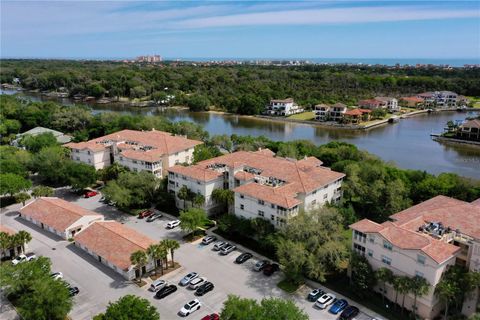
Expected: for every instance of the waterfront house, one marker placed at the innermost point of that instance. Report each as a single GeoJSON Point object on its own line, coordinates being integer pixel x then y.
{"type": "Point", "coordinates": [411, 102]}
{"type": "Point", "coordinates": [439, 99]}
{"type": "Point", "coordinates": [337, 111]}
{"type": "Point", "coordinates": [469, 130]}
{"type": "Point", "coordinates": [356, 116]}
{"type": "Point", "coordinates": [371, 104]}
{"type": "Point", "coordinates": [285, 107]}
{"type": "Point", "coordinates": [58, 216]}
{"type": "Point", "coordinates": [389, 103]}
{"type": "Point", "coordinates": [112, 244]}
{"type": "Point", "coordinates": [265, 186]}
{"type": "Point", "coordinates": [424, 240]}
{"type": "Point", "coordinates": [153, 151]}
{"type": "Point", "coordinates": [322, 112]}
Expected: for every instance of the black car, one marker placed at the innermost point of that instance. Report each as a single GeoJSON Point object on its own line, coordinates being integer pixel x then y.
{"type": "Point", "coordinates": [349, 313]}
{"type": "Point", "coordinates": [204, 288]}
{"type": "Point", "coordinates": [243, 257]}
{"type": "Point", "coordinates": [270, 269]}
{"type": "Point", "coordinates": [165, 291]}
{"type": "Point", "coordinates": [73, 291]}
{"type": "Point", "coordinates": [315, 294]}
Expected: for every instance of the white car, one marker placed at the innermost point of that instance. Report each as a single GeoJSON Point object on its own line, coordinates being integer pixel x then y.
{"type": "Point", "coordinates": [157, 285]}
{"type": "Point", "coordinates": [57, 276]}
{"type": "Point", "coordinates": [190, 307]}
{"type": "Point", "coordinates": [219, 245]}
{"type": "Point", "coordinates": [173, 224]}
{"type": "Point", "coordinates": [23, 258]}
{"type": "Point", "coordinates": [325, 300]}
{"type": "Point", "coordinates": [197, 282]}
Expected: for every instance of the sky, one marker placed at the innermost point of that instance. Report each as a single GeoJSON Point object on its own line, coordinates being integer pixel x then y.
{"type": "Point", "coordinates": [241, 29]}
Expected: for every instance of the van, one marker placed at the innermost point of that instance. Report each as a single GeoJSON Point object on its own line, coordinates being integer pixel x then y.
{"type": "Point", "coordinates": [157, 285]}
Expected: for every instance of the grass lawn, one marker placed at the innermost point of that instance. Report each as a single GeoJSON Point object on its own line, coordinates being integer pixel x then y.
{"type": "Point", "coordinates": [288, 286]}
{"type": "Point", "coordinates": [309, 115]}
{"type": "Point", "coordinates": [475, 101]}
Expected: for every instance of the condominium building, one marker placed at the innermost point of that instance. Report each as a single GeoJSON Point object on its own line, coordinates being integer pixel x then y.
{"type": "Point", "coordinates": [153, 151]}
{"type": "Point", "coordinates": [424, 240]}
{"type": "Point", "coordinates": [264, 185]}
{"type": "Point", "coordinates": [285, 107]}
{"type": "Point", "coordinates": [439, 99]}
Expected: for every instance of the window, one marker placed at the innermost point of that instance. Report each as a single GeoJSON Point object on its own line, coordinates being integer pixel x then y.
{"type": "Point", "coordinates": [261, 202]}
{"type": "Point", "coordinates": [242, 207]}
{"type": "Point", "coordinates": [88, 152]}
{"type": "Point", "coordinates": [421, 259]}
{"type": "Point", "coordinates": [314, 202]}
{"type": "Point", "coordinates": [242, 196]}
{"type": "Point", "coordinates": [121, 158]}
{"type": "Point", "coordinates": [176, 153]}
{"type": "Point", "coordinates": [77, 151]}
{"type": "Point", "coordinates": [359, 249]}
{"type": "Point", "coordinates": [198, 182]}
{"type": "Point", "coordinates": [78, 158]}
{"type": "Point", "coordinates": [89, 161]}
{"type": "Point", "coordinates": [273, 206]}
{"type": "Point", "coordinates": [359, 236]}
{"type": "Point", "coordinates": [371, 239]}
{"type": "Point", "coordinates": [261, 213]}
{"type": "Point", "coordinates": [386, 260]}
{"type": "Point", "coordinates": [177, 162]}
{"type": "Point", "coordinates": [387, 245]}
{"type": "Point", "coordinates": [419, 274]}
{"type": "Point", "coordinates": [134, 161]}
{"type": "Point", "coordinates": [272, 217]}
{"type": "Point", "coordinates": [314, 192]}
{"type": "Point", "coordinates": [325, 196]}
{"type": "Point", "coordinates": [184, 178]}
{"type": "Point", "coordinates": [370, 253]}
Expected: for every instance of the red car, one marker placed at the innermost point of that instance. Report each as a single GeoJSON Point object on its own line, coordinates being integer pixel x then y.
{"type": "Point", "coordinates": [89, 194]}
{"type": "Point", "coordinates": [145, 213]}
{"type": "Point", "coordinates": [212, 316]}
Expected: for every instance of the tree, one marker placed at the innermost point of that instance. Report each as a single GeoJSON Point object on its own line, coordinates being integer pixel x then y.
{"type": "Point", "coordinates": [112, 172]}
{"type": "Point", "coordinates": [42, 191]}
{"type": "Point", "coordinates": [197, 102]}
{"type": "Point", "coordinates": [446, 291]}
{"type": "Point", "coordinates": [362, 275]}
{"type": "Point", "coordinates": [320, 232]}
{"type": "Point", "coordinates": [129, 307]}
{"type": "Point", "coordinates": [34, 143]}
{"type": "Point", "coordinates": [224, 197]}
{"type": "Point", "coordinates": [157, 252]}
{"type": "Point", "coordinates": [22, 197]}
{"type": "Point", "coordinates": [268, 309]}
{"type": "Point", "coordinates": [293, 256]}
{"type": "Point", "coordinates": [184, 194]}
{"type": "Point", "coordinates": [11, 183]}
{"type": "Point", "coordinates": [419, 286]}
{"type": "Point", "coordinates": [139, 259]}
{"type": "Point", "coordinates": [50, 164]}
{"type": "Point", "coordinates": [171, 245]}
{"type": "Point", "coordinates": [193, 219]}
{"type": "Point", "coordinates": [23, 237]}
{"type": "Point", "coordinates": [37, 295]}
{"type": "Point", "coordinates": [403, 287]}
{"type": "Point", "coordinates": [198, 200]}
{"type": "Point", "coordinates": [80, 175]}
{"type": "Point", "coordinates": [5, 242]}
{"type": "Point", "coordinates": [384, 275]}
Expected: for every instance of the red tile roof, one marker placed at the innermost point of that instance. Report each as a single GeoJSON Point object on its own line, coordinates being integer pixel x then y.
{"type": "Point", "coordinates": [159, 143]}
{"type": "Point", "coordinates": [357, 112]}
{"type": "Point", "coordinates": [56, 213]}
{"type": "Point", "coordinates": [412, 99]}
{"type": "Point", "coordinates": [195, 172]}
{"type": "Point", "coordinates": [244, 176]}
{"type": "Point", "coordinates": [288, 100]}
{"type": "Point", "coordinates": [283, 196]}
{"type": "Point", "coordinates": [476, 202]}
{"type": "Point", "coordinates": [113, 241]}
{"type": "Point", "coordinates": [403, 231]}
{"type": "Point", "coordinates": [7, 230]}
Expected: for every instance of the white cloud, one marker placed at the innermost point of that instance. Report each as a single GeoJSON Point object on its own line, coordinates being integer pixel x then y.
{"type": "Point", "coordinates": [328, 16]}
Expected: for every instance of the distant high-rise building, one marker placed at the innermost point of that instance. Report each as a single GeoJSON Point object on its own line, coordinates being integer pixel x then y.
{"type": "Point", "coordinates": [149, 59]}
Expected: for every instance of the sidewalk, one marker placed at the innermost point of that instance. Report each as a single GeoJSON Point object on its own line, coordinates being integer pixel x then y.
{"type": "Point", "coordinates": [7, 310]}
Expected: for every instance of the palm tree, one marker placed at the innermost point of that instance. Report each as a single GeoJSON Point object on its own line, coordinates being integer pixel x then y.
{"type": "Point", "coordinates": [419, 287]}
{"type": "Point", "coordinates": [396, 282]}
{"type": "Point", "coordinates": [139, 259]}
{"type": "Point", "coordinates": [171, 245]}
{"type": "Point", "coordinates": [5, 241]}
{"type": "Point", "coordinates": [446, 291]}
{"type": "Point", "coordinates": [404, 284]}
{"type": "Point", "coordinates": [156, 252]}
{"type": "Point", "coordinates": [184, 194]}
{"type": "Point", "coordinates": [224, 196]}
{"type": "Point", "coordinates": [384, 275]}
{"type": "Point", "coordinates": [198, 200]}
{"type": "Point", "coordinates": [23, 238]}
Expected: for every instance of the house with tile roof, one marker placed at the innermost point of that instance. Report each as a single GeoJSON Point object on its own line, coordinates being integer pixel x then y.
{"type": "Point", "coordinates": [112, 244]}
{"type": "Point", "coordinates": [325, 112]}
{"type": "Point", "coordinates": [264, 185]}
{"type": "Point", "coordinates": [153, 151]}
{"type": "Point", "coordinates": [13, 250]}
{"type": "Point", "coordinates": [439, 99]}
{"type": "Point", "coordinates": [424, 240]}
{"type": "Point", "coordinates": [58, 216]}
{"type": "Point", "coordinates": [469, 130]}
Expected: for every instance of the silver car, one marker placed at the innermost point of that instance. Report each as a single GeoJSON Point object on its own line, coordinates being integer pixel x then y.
{"type": "Point", "coordinates": [219, 245]}
{"type": "Point", "coordinates": [227, 249]}
{"type": "Point", "coordinates": [189, 277]}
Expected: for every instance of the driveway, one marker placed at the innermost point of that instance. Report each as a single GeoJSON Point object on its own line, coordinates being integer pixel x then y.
{"type": "Point", "coordinates": [98, 284]}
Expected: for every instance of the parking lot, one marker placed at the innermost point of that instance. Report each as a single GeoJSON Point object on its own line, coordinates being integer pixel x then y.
{"type": "Point", "coordinates": [98, 284]}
